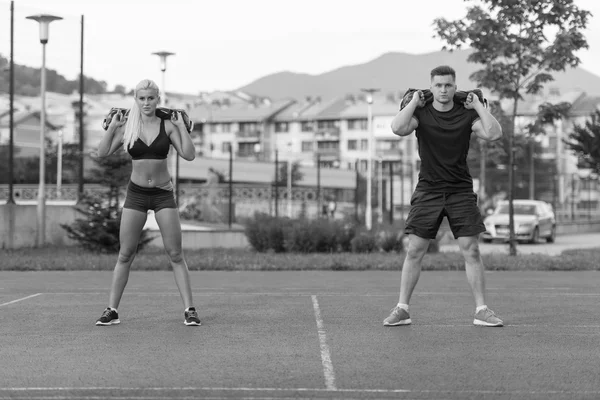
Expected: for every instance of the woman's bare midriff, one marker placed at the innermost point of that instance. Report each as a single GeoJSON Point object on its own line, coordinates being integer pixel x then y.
{"type": "Point", "coordinates": [150, 173]}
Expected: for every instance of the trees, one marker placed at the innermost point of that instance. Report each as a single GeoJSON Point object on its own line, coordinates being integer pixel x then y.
{"type": "Point", "coordinates": [519, 44]}
{"type": "Point", "coordinates": [585, 142]}
{"type": "Point", "coordinates": [98, 230]}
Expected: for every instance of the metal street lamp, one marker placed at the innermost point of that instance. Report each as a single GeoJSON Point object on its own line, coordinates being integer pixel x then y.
{"type": "Point", "coordinates": [59, 165]}
{"type": "Point", "coordinates": [163, 55]}
{"type": "Point", "coordinates": [44, 21]}
{"type": "Point", "coordinates": [380, 191]}
{"type": "Point", "coordinates": [368, 211]}
{"type": "Point", "coordinates": [289, 180]}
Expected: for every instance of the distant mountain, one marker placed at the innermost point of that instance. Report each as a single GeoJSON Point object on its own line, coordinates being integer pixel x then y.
{"type": "Point", "coordinates": [395, 72]}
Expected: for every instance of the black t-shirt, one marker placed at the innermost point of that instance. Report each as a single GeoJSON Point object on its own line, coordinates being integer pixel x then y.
{"type": "Point", "coordinates": [443, 141]}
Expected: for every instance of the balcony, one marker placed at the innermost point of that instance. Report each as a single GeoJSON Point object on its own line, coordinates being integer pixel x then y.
{"type": "Point", "coordinates": [389, 153]}
{"type": "Point", "coordinates": [328, 154]}
{"type": "Point", "coordinates": [327, 134]}
{"type": "Point", "coordinates": [248, 136]}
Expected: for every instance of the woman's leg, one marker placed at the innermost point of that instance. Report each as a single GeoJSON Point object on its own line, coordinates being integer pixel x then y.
{"type": "Point", "coordinates": [170, 229]}
{"type": "Point", "coordinates": [132, 223]}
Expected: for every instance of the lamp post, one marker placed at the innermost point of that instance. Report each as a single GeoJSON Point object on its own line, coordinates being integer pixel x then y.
{"type": "Point", "coordinates": [163, 55]}
{"type": "Point", "coordinates": [380, 191]}
{"type": "Point", "coordinates": [59, 165]}
{"type": "Point", "coordinates": [289, 180]}
{"type": "Point", "coordinates": [44, 22]}
{"type": "Point", "coordinates": [368, 211]}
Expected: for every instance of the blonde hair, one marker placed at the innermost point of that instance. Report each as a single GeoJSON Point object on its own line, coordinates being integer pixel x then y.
{"type": "Point", "coordinates": [134, 126]}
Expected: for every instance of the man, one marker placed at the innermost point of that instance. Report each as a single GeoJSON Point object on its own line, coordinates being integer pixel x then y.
{"type": "Point", "coordinates": [445, 188]}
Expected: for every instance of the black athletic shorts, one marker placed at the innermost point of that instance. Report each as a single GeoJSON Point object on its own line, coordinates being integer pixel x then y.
{"type": "Point", "coordinates": [429, 208]}
{"type": "Point", "coordinates": [143, 198]}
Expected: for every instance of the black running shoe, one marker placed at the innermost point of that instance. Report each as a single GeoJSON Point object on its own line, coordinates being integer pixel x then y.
{"type": "Point", "coordinates": [109, 317]}
{"type": "Point", "coordinates": [191, 317]}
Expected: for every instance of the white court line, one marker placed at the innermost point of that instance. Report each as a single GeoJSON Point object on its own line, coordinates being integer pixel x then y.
{"type": "Point", "coordinates": [206, 389]}
{"type": "Point", "coordinates": [17, 300]}
{"type": "Point", "coordinates": [306, 390]}
{"type": "Point", "coordinates": [326, 294]}
{"type": "Point", "coordinates": [325, 354]}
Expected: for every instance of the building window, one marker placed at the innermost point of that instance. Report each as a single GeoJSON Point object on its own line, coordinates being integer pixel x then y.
{"type": "Point", "coordinates": [328, 145]}
{"type": "Point", "coordinates": [307, 147]}
{"type": "Point", "coordinates": [357, 124]}
{"type": "Point", "coordinates": [212, 128]}
{"type": "Point", "coordinates": [226, 128]}
{"type": "Point", "coordinates": [352, 144]}
{"type": "Point", "coordinates": [327, 124]}
{"type": "Point", "coordinates": [306, 126]}
{"type": "Point", "coordinates": [225, 147]}
{"type": "Point", "coordinates": [248, 127]}
{"type": "Point", "coordinates": [364, 145]}
{"type": "Point", "coordinates": [281, 127]}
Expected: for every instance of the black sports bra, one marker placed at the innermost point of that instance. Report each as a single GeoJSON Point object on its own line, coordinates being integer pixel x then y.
{"type": "Point", "coordinates": [157, 150]}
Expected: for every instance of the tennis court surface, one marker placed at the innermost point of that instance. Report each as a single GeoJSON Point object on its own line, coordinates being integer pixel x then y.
{"type": "Point", "coordinates": [288, 335]}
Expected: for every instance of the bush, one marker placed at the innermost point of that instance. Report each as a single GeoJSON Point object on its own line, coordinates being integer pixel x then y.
{"type": "Point", "coordinates": [265, 233]}
{"type": "Point", "coordinates": [365, 242]}
{"type": "Point", "coordinates": [300, 238]}
{"type": "Point", "coordinates": [346, 233]}
{"type": "Point", "coordinates": [99, 230]}
{"type": "Point", "coordinates": [390, 241]}
{"type": "Point", "coordinates": [434, 246]}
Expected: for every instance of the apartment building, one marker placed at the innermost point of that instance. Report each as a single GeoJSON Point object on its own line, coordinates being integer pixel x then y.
{"type": "Point", "coordinates": [573, 185]}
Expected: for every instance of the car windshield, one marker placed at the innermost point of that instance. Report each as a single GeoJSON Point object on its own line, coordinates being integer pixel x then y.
{"type": "Point", "coordinates": [520, 209]}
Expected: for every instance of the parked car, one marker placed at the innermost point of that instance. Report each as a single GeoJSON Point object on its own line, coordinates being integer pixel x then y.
{"type": "Point", "coordinates": [533, 219]}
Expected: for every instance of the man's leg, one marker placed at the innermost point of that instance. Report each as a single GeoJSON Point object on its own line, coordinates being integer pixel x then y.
{"type": "Point", "coordinates": [469, 246]}
{"type": "Point", "coordinates": [422, 224]}
{"type": "Point", "coordinates": [411, 269]}
{"type": "Point", "coordinates": [466, 223]}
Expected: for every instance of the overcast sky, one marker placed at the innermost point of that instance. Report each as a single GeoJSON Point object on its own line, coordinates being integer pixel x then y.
{"type": "Point", "coordinates": [224, 44]}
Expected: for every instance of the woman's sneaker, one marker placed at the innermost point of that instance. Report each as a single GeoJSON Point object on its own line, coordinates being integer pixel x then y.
{"type": "Point", "coordinates": [191, 317]}
{"type": "Point", "coordinates": [109, 317]}
{"type": "Point", "coordinates": [399, 316]}
{"type": "Point", "coordinates": [486, 317]}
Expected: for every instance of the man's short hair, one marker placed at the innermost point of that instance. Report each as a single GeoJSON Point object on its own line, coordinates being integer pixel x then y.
{"type": "Point", "coordinates": [443, 70]}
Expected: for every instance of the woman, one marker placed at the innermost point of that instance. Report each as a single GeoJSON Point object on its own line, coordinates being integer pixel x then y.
{"type": "Point", "coordinates": [147, 139]}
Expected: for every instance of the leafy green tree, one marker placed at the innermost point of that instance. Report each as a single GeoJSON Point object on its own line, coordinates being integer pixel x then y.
{"type": "Point", "coordinates": [27, 81]}
{"type": "Point", "coordinates": [98, 230]}
{"type": "Point", "coordinates": [585, 142]}
{"type": "Point", "coordinates": [519, 44]}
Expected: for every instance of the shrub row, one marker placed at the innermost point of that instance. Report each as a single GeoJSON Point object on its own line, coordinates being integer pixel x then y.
{"type": "Point", "coordinates": [279, 235]}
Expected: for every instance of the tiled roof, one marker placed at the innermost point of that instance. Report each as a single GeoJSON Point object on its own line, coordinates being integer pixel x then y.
{"type": "Point", "coordinates": [52, 121]}
{"type": "Point", "coordinates": [292, 112]}
{"type": "Point", "coordinates": [314, 110]}
{"type": "Point", "coordinates": [381, 107]}
{"type": "Point", "coordinates": [586, 105]}
{"type": "Point", "coordinates": [238, 112]}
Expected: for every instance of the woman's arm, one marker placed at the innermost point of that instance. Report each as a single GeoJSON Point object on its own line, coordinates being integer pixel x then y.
{"type": "Point", "coordinates": [113, 138]}
{"type": "Point", "coordinates": [181, 139]}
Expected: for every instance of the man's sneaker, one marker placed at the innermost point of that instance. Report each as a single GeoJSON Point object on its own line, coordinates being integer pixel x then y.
{"type": "Point", "coordinates": [191, 317]}
{"type": "Point", "coordinates": [109, 317]}
{"type": "Point", "coordinates": [486, 317]}
{"type": "Point", "coordinates": [399, 316]}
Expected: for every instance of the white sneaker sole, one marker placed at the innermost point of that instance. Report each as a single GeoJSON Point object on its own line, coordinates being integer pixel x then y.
{"type": "Point", "coordinates": [113, 322]}
{"type": "Point", "coordinates": [479, 322]}
{"type": "Point", "coordinates": [192, 323]}
{"type": "Point", "coordinates": [400, 323]}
